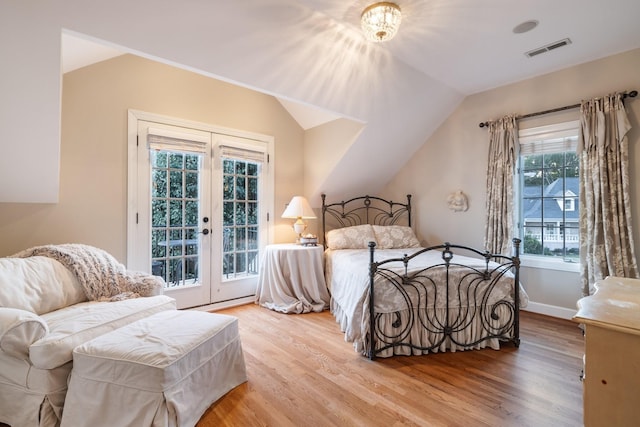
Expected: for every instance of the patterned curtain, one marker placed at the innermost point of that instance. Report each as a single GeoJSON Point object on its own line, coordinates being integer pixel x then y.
{"type": "Point", "coordinates": [606, 239]}
{"type": "Point", "coordinates": [503, 134]}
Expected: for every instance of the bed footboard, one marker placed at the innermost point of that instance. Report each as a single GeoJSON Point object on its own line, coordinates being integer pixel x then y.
{"type": "Point", "coordinates": [445, 307]}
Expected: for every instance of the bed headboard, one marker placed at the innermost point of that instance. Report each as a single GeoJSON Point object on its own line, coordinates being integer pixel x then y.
{"type": "Point", "coordinates": [364, 210]}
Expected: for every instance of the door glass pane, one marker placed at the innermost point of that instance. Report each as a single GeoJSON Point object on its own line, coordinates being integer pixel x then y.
{"type": "Point", "coordinates": [240, 218]}
{"type": "Point", "coordinates": [175, 214]}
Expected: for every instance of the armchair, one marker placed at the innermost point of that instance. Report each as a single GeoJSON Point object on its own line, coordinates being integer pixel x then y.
{"type": "Point", "coordinates": [46, 310]}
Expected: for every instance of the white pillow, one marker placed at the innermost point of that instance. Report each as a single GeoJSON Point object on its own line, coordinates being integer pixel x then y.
{"type": "Point", "coordinates": [18, 330]}
{"type": "Point", "coordinates": [38, 284]}
{"type": "Point", "coordinates": [356, 237]}
{"type": "Point", "coordinates": [395, 237]}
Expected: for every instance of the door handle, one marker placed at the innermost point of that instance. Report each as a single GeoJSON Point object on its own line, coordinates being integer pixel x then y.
{"type": "Point", "coordinates": [205, 231]}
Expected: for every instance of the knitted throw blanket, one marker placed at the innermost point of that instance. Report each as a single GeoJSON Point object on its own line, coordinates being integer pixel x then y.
{"type": "Point", "coordinates": [102, 277]}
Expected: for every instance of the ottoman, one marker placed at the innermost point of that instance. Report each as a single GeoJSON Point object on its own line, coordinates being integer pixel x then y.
{"type": "Point", "coordinates": [163, 370]}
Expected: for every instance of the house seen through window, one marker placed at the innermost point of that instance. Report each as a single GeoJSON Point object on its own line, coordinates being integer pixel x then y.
{"type": "Point", "coordinates": [548, 188]}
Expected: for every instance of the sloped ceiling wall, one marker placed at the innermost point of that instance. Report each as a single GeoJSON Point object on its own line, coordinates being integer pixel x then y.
{"type": "Point", "coordinates": [282, 48]}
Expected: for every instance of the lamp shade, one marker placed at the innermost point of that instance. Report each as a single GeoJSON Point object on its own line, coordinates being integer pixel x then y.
{"type": "Point", "coordinates": [298, 207]}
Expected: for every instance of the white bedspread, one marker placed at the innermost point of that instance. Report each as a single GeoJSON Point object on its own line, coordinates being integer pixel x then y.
{"type": "Point", "coordinates": [347, 274]}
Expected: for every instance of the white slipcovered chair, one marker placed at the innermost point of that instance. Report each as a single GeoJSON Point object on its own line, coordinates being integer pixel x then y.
{"type": "Point", "coordinates": [45, 313]}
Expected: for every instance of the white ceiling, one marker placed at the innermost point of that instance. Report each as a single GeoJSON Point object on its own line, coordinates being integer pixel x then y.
{"type": "Point", "coordinates": [311, 55]}
{"type": "Point", "coordinates": [467, 45]}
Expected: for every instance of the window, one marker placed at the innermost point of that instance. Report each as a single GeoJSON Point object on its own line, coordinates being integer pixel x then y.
{"type": "Point", "coordinates": [569, 204]}
{"type": "Point", "coordinates": [548, 193]}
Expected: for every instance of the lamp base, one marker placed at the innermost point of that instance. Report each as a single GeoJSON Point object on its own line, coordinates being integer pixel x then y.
{"type": "Point", "coordinates": [299, 226]}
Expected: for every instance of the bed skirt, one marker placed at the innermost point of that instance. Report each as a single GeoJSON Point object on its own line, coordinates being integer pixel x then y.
{"type": "Point", "coordinates": [415, 330]}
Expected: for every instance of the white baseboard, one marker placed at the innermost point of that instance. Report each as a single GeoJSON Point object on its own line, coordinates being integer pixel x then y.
{"type": "Point", "coordinates": [534, 307]}
{"type": "Point", "coordinates": [550, 310]}
{"type": "Point", "coordinates": [225, 304]}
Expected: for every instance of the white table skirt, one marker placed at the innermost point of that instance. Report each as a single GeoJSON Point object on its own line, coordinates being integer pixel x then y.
{"type": "Point", "coordinates": [292, 279]}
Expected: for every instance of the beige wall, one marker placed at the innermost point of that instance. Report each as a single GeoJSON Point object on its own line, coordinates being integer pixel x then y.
{"type": "Point", "coordinates": [92, 206]}
{"type": "Point", "coordinates": [455, 157]}
{"type": "Point", "coordinates": [324, 146]}
{"type": "Point", "coordinates": [93, 179]}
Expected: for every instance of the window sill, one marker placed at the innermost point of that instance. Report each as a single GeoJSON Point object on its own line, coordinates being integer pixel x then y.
{"type": "Point", "coordinates": [549, 264]}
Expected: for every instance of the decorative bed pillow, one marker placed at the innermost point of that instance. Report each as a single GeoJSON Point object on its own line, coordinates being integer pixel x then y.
{"type": "Point", "coordinates": [356, 237]}
{"type": "Point", "coordinates": [395, 237]}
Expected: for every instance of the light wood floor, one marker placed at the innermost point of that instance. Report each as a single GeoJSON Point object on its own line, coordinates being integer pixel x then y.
{"type": "Point", "coordinates": [302, 373]}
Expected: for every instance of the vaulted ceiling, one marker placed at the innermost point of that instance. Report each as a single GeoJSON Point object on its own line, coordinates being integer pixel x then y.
{"type": "Point", "coordinates": [468, 45]}
{"type": "Point", "coordinates": [312, 53]}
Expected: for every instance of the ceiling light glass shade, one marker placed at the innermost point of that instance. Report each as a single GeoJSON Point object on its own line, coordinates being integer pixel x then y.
{"type": "Point", "coordinates": [380, 21]}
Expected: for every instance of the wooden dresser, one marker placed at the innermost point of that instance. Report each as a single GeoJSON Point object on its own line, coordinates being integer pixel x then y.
{"type": "Point", "coordinates": [611, 318]}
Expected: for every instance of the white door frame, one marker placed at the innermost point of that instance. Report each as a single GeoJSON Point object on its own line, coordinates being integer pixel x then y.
{"type": "Point", "coordinates": [138, 250]}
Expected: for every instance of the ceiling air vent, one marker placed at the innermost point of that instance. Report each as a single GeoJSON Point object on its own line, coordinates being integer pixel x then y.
{"type": "Point", "coordinates": [548, 48]}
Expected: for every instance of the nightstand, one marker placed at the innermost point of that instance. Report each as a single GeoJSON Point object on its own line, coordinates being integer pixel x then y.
{"type": "Point", "coordinates": [292, 279]}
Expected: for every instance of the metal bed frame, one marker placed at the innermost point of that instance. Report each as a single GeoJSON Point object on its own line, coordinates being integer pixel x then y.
{"type": "Point", "coordinates": [498, 319]}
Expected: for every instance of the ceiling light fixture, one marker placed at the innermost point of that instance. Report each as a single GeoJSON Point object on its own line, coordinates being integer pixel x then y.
{"type": "Point", "coordinates": [380, 21]}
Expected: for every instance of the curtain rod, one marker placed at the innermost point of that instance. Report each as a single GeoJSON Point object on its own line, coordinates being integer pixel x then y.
{"type": "Point", "coordinates": [631, 94]}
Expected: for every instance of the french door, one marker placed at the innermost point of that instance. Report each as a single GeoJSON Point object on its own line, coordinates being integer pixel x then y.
{"type": "Point", "coordinates": [243, 233]}
{"type": "Point", "coordinates": [200, 204]}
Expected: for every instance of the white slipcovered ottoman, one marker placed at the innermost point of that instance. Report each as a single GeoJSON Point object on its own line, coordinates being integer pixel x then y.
{"type": "Point", "coordinates": [163, 370]}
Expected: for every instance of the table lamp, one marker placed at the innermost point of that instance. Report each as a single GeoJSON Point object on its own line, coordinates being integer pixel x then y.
{"type": "Point", "coordinates": [299, 209]}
